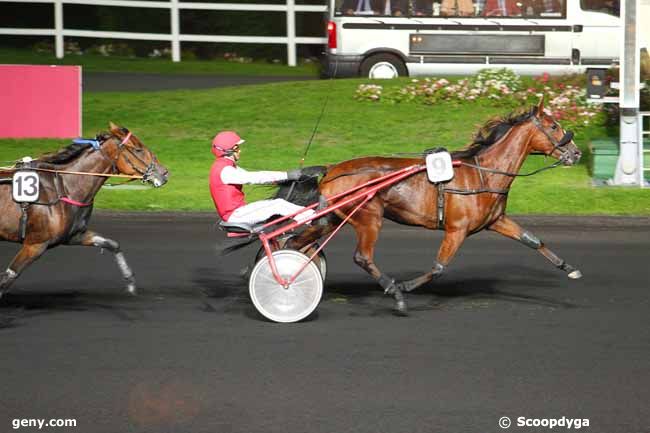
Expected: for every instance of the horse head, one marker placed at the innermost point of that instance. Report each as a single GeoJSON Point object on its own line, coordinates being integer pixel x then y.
{"type": "Point", "coordinates": [551, 139]}
{"type": "Point", "coordinates": [130, 156]}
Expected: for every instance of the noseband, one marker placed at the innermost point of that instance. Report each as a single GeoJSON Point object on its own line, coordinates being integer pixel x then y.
{"type": "Point", "coordinates": [557, 145]}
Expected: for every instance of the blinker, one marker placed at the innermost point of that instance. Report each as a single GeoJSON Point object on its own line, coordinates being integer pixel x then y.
{"type": "Point", "coordinates": [568, 136]}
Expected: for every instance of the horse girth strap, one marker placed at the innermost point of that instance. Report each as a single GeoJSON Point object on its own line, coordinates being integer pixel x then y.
{"type": "Point", "coordinates": [23, 220]}
{"type": "Point", "coordinates": [442, 189]}
{"type": "Point", "coordinates": [441, 205]}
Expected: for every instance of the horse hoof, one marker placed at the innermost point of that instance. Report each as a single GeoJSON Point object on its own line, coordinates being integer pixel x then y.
{"type": "Point", "coordinates": [245, 272]}
{"type": "Point", "coordinates": [4, 279]}
{"type": "Point", "coordinates": [574, 275]}
{"type": "Point", "coordinates": [401, 309]}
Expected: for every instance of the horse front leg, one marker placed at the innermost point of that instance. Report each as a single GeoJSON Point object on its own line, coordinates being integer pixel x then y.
{"type": "Point", "coordinates": [511, 229]}
{"type": "Point", "coordinates": [92, 239]}
{"type": "Point", "coordinates": [25, 257]}
{"type": "Point", "coordinates": [448, 248]}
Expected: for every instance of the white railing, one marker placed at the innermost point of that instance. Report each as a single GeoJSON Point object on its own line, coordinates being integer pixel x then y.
{"type": "Point", "coordinates": [175, 37]}
{"type": "Point", "coordinates": [643, 133]}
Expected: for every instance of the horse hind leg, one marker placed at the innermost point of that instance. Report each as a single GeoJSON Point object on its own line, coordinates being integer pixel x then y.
{"type": "Point", "coordinates": [6, 278]}
{"type": "Point", "coordinates": [92, 239]}
{"type": "Point", "coordinates": [367, 228]}
{"type": "Point", "coordinates": [25, 257]}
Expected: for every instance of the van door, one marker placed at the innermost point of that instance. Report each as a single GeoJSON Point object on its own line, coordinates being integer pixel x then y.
{"type": "Point", "coordinates": [598, 40]}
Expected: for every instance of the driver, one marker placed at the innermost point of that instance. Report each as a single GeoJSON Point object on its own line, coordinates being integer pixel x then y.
{"type": "Point", "coordinates": [226, 180]}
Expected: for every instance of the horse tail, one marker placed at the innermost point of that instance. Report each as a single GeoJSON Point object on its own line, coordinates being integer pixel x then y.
{"type": "Point", "coordinates": [304, 192]}
{"type": "Point", "coordinates": [230, 246]}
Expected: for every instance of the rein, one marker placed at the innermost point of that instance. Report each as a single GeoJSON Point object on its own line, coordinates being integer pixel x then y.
{"type": "Point", "coordinates": [84, 173]}
{"type": "Point", "coordinates": [506, 173]}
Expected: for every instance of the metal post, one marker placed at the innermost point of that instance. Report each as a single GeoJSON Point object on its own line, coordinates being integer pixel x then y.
{"type": "Point", "coordinates": [291, 32]}
{"type": "Point", "coordinates": [627, 167]}
{"type": "Point", "coordinates": [58, 29]}
{"type": "Point", "coordinates": [175, 26]}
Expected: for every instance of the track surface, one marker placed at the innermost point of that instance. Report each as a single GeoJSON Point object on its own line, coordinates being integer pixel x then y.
{"type": "Point", "coordinates": [503, 333]}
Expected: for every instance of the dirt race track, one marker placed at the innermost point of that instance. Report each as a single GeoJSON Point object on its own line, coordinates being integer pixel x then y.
{"type": "Point", "coordinates": [502, 333]}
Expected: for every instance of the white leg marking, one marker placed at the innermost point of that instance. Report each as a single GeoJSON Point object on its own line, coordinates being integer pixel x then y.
{"type": "Point", "coordinates": [126, 272]}
{"type": "Point", "coordinates": [124, 267]}
{"type": "Point", "coordinates": [98, 241]}
{"type": "Point", "coordinates": [575, 274]}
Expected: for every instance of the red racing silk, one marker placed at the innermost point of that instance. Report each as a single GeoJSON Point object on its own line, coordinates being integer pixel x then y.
{"type": "Point", "coordinates": [226, 197]}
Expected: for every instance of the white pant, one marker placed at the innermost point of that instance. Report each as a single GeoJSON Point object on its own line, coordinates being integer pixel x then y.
{"type": "Point", "coordinates": [264, 209]}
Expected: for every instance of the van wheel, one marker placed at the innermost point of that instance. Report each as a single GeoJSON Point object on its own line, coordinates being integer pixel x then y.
{"type": "Point", "coordinates": [383, 66]}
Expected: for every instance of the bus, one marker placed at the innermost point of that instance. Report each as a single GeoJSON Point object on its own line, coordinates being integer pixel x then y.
{"type": "Point", "coordinates": [394, 38]}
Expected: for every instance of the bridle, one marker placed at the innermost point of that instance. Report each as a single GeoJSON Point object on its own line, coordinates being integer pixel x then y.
{"type": "Point", "coordinates": [557, 144]}
{"type": "Point", "coordinates": [123, 150]}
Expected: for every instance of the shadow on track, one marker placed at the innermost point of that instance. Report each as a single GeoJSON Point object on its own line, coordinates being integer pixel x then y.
{"type": "Point", "coordinates": [226, 292]}
{"type": "Point", "coordinates": [15, 307]}
{"type": "Point", "coordinates": [457, 291]}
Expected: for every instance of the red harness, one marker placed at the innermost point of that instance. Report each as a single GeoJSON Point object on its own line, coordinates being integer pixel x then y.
{"type": "Point", "coordinates": [72, 202]}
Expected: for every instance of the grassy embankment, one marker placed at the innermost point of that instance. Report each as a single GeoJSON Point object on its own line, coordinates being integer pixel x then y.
{"type": "Point", "coordinates": [277, 120]}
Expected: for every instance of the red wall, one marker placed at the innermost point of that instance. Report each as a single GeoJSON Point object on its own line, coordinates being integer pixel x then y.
{"type": "Point", "coordinates": [40, 101]}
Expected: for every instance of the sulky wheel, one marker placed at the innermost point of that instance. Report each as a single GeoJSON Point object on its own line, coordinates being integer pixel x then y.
{"type": "Point", "coordinates": [320, 260]}
{"type": "Point", "coordinates": [291, 304]}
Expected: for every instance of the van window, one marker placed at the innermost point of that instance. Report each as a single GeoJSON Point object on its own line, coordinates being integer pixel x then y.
{"type": "Point", "coordinates": [611, 7]}
{"type": "Point", "coordinates": [456, 8]}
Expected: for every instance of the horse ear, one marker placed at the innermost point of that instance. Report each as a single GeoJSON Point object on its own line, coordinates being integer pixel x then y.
{"type": "Point", "coordinates": [113, 127]}
{"type": "Point", "coordinates": [540, 106]}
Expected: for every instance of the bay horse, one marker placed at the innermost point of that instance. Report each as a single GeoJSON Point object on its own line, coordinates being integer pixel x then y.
{"type": "Point", "coordinates": [69, 180]}
{"type": "Point", "coordinates": [474, 200]}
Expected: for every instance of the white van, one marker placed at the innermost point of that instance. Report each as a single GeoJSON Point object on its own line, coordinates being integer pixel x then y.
{"type": "Point", "coordinates": [391, 38]}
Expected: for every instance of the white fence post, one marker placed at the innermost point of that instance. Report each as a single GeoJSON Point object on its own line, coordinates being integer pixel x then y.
{"type": "Point", "coordinates": [175, 25]}
{"type": "Point", "coordinates": [291, 32]}
{"type": "Point", "coordinates": [58, 29]}
{"type": "Point", "coordinates": [175, 37]}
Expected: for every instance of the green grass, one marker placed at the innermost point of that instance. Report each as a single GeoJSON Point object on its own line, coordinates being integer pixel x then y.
{"type": "Point", "coordinates": [98, 63]}
{"type": "Point", "coordinates": [277, 121]}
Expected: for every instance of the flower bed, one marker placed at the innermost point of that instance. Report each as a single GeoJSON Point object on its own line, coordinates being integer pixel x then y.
{"type": "Point", "coordinates": [565, 96]}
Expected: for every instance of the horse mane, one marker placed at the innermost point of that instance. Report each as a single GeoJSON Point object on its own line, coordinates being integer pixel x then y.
{"type": "Point", "coordinates": [70, 152]}
{"type": "Point", "coordinates": [492, 131]}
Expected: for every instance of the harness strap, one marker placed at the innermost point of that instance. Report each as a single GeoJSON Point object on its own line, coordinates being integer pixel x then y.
{"type": "Point", "coordinates": [477, 191]}
{"type": "Point", "coordinates": [441, 205]}
{"type": "Point", "coordinates": [23, 220]}
{"type": "Point", "coordinates": [482, 189]}
{"type": "Point", "coordinates": [73, 202]}
{"type": "Point", "coordinates": [480, 172]}
{"type": "Point", "coordinates": [126, 139]}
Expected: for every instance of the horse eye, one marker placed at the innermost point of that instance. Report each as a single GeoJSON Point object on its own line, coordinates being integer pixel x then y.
{"type": "Point", "coordinates": [554, 126]}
